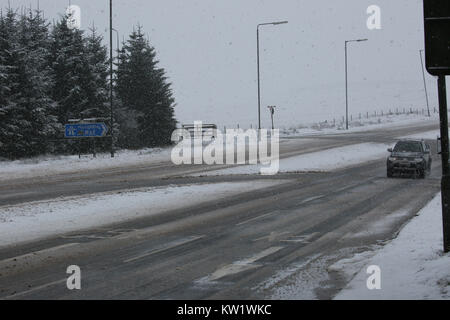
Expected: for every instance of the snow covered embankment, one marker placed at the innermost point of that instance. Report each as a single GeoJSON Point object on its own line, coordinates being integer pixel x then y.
{"type": "Point", "coordinates": [413, 266]}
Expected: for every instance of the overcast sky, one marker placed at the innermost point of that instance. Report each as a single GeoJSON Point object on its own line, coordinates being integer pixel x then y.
{"type": "Point", "coordinates": [208, 48]}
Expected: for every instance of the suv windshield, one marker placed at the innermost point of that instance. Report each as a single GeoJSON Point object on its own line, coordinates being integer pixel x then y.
{"type": "Point", "coordinates": [408, 146]}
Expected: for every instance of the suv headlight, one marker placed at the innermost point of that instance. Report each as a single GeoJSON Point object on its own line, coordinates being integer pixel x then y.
{"type": "Point", "coordinates": [392, 158]}
{"type": "Point", "coordinates": [418, 159]}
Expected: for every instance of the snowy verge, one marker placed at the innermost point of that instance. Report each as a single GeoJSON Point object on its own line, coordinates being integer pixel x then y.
{"type": "Point", "coordinates": [413, 266]}
{"type": "Point", "coordinates": [51, 165]}
{"type": "Point", "coordinates": [326, 160]}
{"type": "Point", "coordinates": [359, 125]}
{"type": "Point", "coordinates": [429, 135]}
{"type": "Point", "coordinates": [40, 219]}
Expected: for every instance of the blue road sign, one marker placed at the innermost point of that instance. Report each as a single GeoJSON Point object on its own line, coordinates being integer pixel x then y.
{"type": "Point", "coordinates": [86, 130]}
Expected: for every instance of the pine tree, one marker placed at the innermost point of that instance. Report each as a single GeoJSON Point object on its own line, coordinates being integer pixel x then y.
{"type": "Point", "coordinates": [36, 107]}
{"type": "Point", "coordinates": [96, 84]}
{"type": "Point", "coordinates": [3, 67]}
{"type": "Point", "coordinates": [69, 68]}
{"type": "Point", "coordinates": [7, 126]}
{"type": "Point", "coordinates": [144, 90]}
{"type": "Point", "coordinates": [48, 77]}
{"type": "Point", "coordinates": [25, 108]}
{"type": "Point", "coordinates": [12, 115]}
{"type": "Point", "coordinates": [80, 69]}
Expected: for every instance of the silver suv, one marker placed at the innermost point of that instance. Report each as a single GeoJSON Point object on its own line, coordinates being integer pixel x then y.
{"type": "Point", "coordinates": [411, 157]}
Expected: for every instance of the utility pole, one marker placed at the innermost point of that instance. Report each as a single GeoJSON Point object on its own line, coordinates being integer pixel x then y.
{"type": "Point", "coordinates": [111, 75]}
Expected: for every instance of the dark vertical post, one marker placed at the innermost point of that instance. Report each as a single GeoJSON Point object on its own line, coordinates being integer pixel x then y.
{"type": "Point", "coordinates": [346, 89]}
{"type": "Point", "coordinates": [111, 75]}
{"type": "Point", "coordinates": [271, 115]}
{"type": "Point", "coordinates": [445, 182]}
{"type": "Point", "coordinates": [259, 88]}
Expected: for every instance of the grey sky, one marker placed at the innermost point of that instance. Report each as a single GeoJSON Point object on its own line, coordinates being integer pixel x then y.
{"type": "Point", "coordinates": [208, 48]}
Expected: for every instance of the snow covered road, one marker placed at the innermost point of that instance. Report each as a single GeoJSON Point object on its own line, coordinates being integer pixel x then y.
{"type": "Point", "coordinates": [162, 233]}
{"type": "Point", "coordinates": [40, 219]}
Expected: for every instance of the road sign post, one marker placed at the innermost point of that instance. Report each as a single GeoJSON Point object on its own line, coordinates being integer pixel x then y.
{"type": "Point", "coordinates": [437, 57]}
{"type": "Point", "coordinates": [445, 182]}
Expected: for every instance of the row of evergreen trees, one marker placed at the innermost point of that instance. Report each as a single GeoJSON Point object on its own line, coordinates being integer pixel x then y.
{"type": "Point", "coordinates": [51, 73]}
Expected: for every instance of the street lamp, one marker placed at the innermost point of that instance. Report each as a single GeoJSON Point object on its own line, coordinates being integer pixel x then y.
{"type": "Point", "coordinates": [424, 83]}
{"type": "Point", "coordinates": [346, 80]}
{"type": "Point", "coordinates": [257, 59]}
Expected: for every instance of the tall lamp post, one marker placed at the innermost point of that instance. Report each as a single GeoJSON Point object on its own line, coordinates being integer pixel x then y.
{"type": "Point", "coordinates": [111, 75]}
{"type": "Point", "coordinates": [424, 82]}
{"type": "Point", "coordinates": [346, 80]}
{"type": "Point", "coordinates": [257, 58]}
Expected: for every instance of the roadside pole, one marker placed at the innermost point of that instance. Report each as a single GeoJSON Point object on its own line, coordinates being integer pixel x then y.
{"type": "Point", "coordinates": [437, 57]}
{"type": "Point", "coordinates": [111, 75]}
{"type": "Point", "coordinates": [445, 182]}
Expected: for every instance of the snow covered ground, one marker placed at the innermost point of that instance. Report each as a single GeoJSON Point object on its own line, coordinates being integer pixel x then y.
{"type": "Point", "coordinates": [432, 135]}
{"type": "Point", "coordinates": [34, 220]}
{"type": "Point", "coordinates": [50, 165]}
{"type": "Point", "coordinates": [316, 161]}
{"type": "Point", "coordinates": [413, 266]}
{"type": "Point", "coordinates": [357, 125]}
